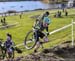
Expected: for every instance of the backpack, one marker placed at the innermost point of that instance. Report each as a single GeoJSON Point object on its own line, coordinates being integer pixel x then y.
{"type": "Point", "coordinates": [40, 18]}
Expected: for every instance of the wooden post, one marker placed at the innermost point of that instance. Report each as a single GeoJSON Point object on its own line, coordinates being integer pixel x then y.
{"type": "Point", "coordinates": [72, 35]}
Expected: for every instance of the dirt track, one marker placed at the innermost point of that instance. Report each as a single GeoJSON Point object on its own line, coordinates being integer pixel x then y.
{"type": "Point", "coordinates": [63, 52]}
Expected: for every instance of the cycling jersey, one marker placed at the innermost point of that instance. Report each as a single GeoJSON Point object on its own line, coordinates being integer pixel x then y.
{"type": "Point", "coordinates": [8, 44]}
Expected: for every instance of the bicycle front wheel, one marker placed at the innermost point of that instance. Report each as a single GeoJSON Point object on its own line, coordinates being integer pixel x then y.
{"type": "Point", "coordinates": [30, 40]}
{"type": "Point", "coordinates": [1, 53]}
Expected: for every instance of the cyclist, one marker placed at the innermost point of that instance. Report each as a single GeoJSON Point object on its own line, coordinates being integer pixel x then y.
{"type": "Point", "coordinates": [9, 44]}
{"type": "Point", "coordinates": [40, 25]}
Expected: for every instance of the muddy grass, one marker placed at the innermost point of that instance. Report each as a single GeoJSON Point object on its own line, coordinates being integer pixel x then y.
{"type": "Point", "coordinates": [63, 52]}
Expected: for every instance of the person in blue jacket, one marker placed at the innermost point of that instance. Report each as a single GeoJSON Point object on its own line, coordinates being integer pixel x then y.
{"type": "Point", "coordinates": [46, 21]}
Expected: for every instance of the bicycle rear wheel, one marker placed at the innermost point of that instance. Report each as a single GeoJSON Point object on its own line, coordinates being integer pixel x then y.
{"type": "Point", "coordinates": [30, 40]}
{"type": "Point", "coordinates": [2, 53]}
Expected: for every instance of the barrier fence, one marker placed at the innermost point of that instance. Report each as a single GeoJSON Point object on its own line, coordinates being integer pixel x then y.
{"type": "Point", "coordinates": [57, 30]}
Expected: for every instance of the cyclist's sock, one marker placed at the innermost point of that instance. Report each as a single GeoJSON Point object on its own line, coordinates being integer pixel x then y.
{"type": "Point", "coordinates": [45, 39]}
{"type": "Point", "coordinates": [38, 43]}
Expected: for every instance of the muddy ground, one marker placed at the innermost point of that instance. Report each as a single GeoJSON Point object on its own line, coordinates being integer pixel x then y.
{"type": "Point", "coordinates": [63, 52]}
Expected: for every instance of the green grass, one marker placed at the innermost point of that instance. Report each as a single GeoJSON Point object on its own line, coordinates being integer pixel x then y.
{"type": "Point", "coordinates": [25, 24]}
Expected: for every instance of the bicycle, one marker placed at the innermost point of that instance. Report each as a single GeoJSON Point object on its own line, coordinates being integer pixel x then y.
{"type": "Point", "coordinates": [30, 39]}
{"type": "Point", "coordinates": [4, 51]}
{"type": "Point", "coordinates": [10, 52]}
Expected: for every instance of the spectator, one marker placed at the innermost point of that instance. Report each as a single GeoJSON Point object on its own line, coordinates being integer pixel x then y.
{"type": "Point", "coordinates": [20, 16]}
{"type": "Point", "coordinates": [1, 20]}
{"type": "Point", "coordinates": [66, 13]}
{"type": "Point", "coordinates": [4, 20]}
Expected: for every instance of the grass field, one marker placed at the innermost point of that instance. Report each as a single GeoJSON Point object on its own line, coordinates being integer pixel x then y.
{"type": "Point", "coordinates": [25, 24]}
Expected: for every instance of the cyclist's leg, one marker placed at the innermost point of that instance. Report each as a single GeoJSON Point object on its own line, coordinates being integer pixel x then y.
{"type": "Point", "coordinates": [37, 46]}
{"type": "Point", "coordinates": [47, 30]}
{"type": "Point", "coordinates": [37, 41]}
{"type": "Point", "coordinates": [42, 36]}
{"type": "Point", "coordinates": [9, 53]}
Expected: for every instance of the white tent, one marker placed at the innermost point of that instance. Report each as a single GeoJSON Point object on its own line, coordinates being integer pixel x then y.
{"type": "Point", "coordinates": [70, 3]}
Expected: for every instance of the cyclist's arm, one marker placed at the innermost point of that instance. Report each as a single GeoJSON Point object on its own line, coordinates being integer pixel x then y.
{"type": "Point", "coordinates": [34, 24]}
{"type": "Point", "coordinates": [12, 44]}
